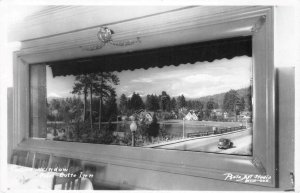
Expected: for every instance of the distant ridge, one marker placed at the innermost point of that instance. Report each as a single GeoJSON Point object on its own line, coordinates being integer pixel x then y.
{"type": "Point", "coordinates": [220, 97]}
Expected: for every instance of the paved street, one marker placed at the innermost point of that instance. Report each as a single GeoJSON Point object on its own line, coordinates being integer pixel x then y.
{"type": "Point", "coordinates": [242, 143]}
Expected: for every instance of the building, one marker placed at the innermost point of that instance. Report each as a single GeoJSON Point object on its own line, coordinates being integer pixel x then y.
{"type": "Point", "coordinates": [191, 116]}
{"type": "Point", "coordinates": [146, 115]}
{"type": "Point", "coordinates": [225, 115]}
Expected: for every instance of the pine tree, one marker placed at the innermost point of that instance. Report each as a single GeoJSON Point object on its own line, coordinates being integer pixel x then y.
{"type": "Point", "coordinates": [99, 84]}
{"type": "Point", "coordinates": [152, 103]}
{"type": "Point", "coordinates": [173, 104]}
{"type": "Point", "coordinates": [123, 104]}
{"type": "Point", "coordinates": [111, 107]}
{"type": "Point", "coordinates": [153, 129]}
{"type": "Point", "coordinates": [136, 102]}
{"type": "Point", "coordinates": [164, 101]}
{"type": "Point", "coordinates": [81, 87]}
{"type": "Point", "coordinates": [231, 100]}
{"type": "Point", "coordinates": [148, 103]}
{"type": "Point", "coordinates": [181, 102]}
{"type": "Point", "coordinates": [103, 88]}
{"type": "Point", "coordinates": [249, 98]}
{"type": "Point", "coordinates": [243, 103]}
{"type": "Point", "coordinates": [210, 105]}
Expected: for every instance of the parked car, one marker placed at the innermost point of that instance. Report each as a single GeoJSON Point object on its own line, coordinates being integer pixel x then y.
{"type": "Point", "coordinates": [225, 143]}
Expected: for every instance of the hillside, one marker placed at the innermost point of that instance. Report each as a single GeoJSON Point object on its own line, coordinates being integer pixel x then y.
{"type": "Point", "coordinates": [219, 97]}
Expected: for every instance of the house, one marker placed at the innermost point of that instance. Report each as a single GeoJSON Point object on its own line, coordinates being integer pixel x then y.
{"type": "Point", "coordinates": [225, 115]}
{"type": "Point", "coordinates": [191, 116]}
{"type": "Point", "coordinates": [174, 114]}
{"type": "Point", "coordinates": [217, 112]}
{"type": "Point", "coordinates": [144, 115]}
{"type": "Point", "coordinates": [245, 116]}
{"type": "Point", "coordinates": [147, 115]}
{"type": "Point", "coordinates": [182, 112]}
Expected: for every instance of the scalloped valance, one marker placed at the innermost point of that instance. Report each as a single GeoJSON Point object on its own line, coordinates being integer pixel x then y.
{"type": "Point", "coordinates": [159, 57]}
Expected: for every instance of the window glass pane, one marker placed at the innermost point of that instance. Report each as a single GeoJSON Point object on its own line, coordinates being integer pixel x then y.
{"type": "Point", "coordinates": [206, 106]}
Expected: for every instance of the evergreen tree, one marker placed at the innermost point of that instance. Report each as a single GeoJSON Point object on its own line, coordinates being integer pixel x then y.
{"type": "Point", "coordinates": [243, 104]}
{"type": "Point", "coordinates": [99, 84]}
{"type": "Point", "coordinates": [81, 87]}
{"type": "Point", "coordinates": [83, 84]}
{"type": "Point", "coordinates": [164, 101]}
{"type": "Point", "coordinates": [123, 104]}
{"type": "Point", "coordinates": [148, 103]}
{"type": "Point", "coordinates": [103, 84]}
{"type": "Point", "coordinates": [198, 105]}
{"type": "Point", "coordinates": [249, 98]}
{"type": "Point", "coordinates": [136, 102]}
{"type": "Point", "coordinates": [155, 102]}
{"type": "Point", "coordinates": [75, 105]}
{"type": "Point", "coordinates": [111, 107]}
{"type": "Point", "coordinates": [249, 102]}
{"type": "Point", "coordinates": [190, 104]}
{"type": "Point", "coordinates": [231, 101]}
{"type": "Point", "coordinates": [173, 104]}
{"type": "Point", "coordinates": [210, 105]}
{"type": "Point", "coordinates": [181, 102]}
{"type": "Point", "coordinates": [153, 128]}
{"type": "Point", "coordinates": [55, 109]}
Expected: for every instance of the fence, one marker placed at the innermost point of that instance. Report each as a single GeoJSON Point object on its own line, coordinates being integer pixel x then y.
{"type": "Point", "coordinates": [216, 131]}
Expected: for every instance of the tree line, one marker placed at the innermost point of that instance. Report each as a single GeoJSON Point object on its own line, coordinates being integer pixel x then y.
{"type": "Point", "coordinates": [97, 101]}
{"type": "Point", "coordinates": [232, 103]}
{"type": "Point", "coordinates": [153, 102]}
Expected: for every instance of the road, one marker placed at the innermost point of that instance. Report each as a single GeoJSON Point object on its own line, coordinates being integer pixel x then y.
{"type": "Point", "coordinates": [242, 143]}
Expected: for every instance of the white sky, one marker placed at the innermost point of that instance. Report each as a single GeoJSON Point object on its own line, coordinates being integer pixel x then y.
{"type": "Point", "coordinates": [191, 80]}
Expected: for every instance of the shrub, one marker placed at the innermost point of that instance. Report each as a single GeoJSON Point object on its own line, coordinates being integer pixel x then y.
{"type": "Point", "coordinates": [106, 135]}
{"type": "Point", "coordinates": [127, 139]}
{"type": "Point", "coordinates": [163, 132]}
{"type": "Point", "coordinates": [153, 128]}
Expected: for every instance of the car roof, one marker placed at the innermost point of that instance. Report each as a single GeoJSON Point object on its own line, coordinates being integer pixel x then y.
{"type": "Point", "coordinates": [224, 139]}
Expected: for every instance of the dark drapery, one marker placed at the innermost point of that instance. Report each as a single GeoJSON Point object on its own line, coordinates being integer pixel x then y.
{"type": "Point", "coordinates": [159, 57]}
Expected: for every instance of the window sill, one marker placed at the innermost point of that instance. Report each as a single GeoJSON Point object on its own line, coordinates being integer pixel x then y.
{"type": "Point", "coordinates": [198, 164]}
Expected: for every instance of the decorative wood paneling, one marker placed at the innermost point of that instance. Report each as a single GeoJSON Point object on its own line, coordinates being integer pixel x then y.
{"type": "Point", "coordinates": [64, 19]}
{"type": "Point", "coordinates": [169, 29]}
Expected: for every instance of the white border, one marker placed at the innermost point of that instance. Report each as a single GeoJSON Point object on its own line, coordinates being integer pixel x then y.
{"type": "Point", "coordinates": [3, 63]}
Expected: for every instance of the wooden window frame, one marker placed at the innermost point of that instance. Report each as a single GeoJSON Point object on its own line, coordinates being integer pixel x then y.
{"type": "Point", "coordinates": [200, 164]}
